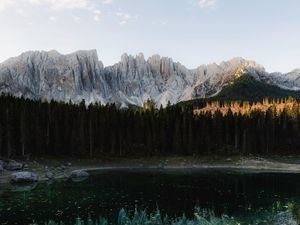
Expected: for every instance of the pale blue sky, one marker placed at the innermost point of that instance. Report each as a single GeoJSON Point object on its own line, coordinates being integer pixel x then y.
{"type": "Point", "coordinates": [193, 32]}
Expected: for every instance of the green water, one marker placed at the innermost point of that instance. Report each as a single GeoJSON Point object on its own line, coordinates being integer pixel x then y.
{"type": "Point", "coordinates": [235, 193]}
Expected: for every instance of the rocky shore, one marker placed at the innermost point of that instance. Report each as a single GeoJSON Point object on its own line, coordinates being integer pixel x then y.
{"type": "Point", "coordinates": [32, 171]}
{"type": "Point", "coordinates": [78, 169]}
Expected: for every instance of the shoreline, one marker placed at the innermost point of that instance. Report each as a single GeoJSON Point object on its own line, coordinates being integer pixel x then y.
{"type": "Point", "coordinates": [251, 165]}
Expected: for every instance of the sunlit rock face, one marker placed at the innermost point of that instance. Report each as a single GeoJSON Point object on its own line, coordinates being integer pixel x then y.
{"type": "Point", "coordinates": [289, 80]}
{"type": "Point", "coordinates": [211, 78]}
{"type": "Point", "coordinates": [133, 80]}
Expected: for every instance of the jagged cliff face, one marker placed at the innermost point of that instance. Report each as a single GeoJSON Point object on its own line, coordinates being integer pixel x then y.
{"type": "Point", "coordinates": [50, 75]}
{"type": "Point", "coordinates": [135, 80]}
{"type": "Point", "coordinates": [80, 75]}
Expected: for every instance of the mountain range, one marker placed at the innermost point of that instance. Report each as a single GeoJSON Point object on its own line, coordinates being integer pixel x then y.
{"type": "Point", "coordinates": [134, 79]}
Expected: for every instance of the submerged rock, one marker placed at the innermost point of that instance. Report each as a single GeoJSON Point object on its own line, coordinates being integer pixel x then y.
{"type": "Point", "coordinates": [78, 179]}
{"type": "Point", "coordinates": [61, 168]}
{"type": "Point", "coordinates": [14, 165]}
{"type": "Point", "coordinates": [79, 175]}
{"type": "Point", "coordinates": [66, 175]}
{"type": "Point", "coordinates": [3, 163]}
{"type": "Point", "coordinates": [1, 168]}
{"type": "Point", "coordinates": [49, 175]}
{"type": "Point", "coordinates": [23, 187]}
{"type": "Point", "coordinates": [24, 177]}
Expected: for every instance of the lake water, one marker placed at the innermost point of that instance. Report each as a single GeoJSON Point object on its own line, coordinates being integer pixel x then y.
{"type": "Point", "coordinates": [236, 193]}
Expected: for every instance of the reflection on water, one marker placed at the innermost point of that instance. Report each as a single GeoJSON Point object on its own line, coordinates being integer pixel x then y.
{"type": "Point", "coordinates": [23, 187]}
{"type": "Point", "coordinates": [174, 191]}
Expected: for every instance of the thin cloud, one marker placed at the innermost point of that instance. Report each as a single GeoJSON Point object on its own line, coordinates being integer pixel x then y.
{"type": "Point", "coordinates": [126, 17]}
{"type": "Point", "coordinates": [207, 3]}
{"type": "Point", "coordinates": [70, 4]}
{"type": "Point", "coordinates": [5, 4]}
{"type": "Point", "coordinates": [56, 6]}
{"type": "Point", "coordinates": [35, 1]}
{"type": "Point", "coordinates": [97, 14]}
{"type": "Point", "coordinates": [22, 12]}
{"type": "Point", "coordinates": [76, 18]}
{"type": "Point", "coordinates": [123, 22]}
{"type": "Point", "coordinates": [107, 2]}
{"type": "Point", "coordinates": [53, 18]}
{"type": "Point", "coordinates": [52, 4]}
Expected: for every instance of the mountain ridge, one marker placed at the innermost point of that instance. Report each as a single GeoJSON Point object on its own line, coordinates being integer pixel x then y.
{"type": "Point", "coordinates": [49, 75]}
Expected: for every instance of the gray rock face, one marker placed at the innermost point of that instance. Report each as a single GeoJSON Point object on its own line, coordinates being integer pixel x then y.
{"type": "Point", "coordinates": [80, 75]}
{"type": "Point", "coordinates": [290, 81]}
{"type": "Point", "coordinates": [24, 177]}
{"type": "Point", "coordinates": [50, 75]}
{"type": "Point", "coordinates": [134, 80]}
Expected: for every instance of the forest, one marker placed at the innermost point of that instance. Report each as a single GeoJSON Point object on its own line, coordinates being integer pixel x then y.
{"type": "Point", "coordinates": [29, 127]}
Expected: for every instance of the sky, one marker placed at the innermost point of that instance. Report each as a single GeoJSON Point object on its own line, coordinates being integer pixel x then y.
{"type": "Point", "coordinates": [193, 32]}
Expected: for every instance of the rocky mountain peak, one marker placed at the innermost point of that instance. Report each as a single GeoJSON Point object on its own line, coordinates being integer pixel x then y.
{"type": "Point", "coordinates": [133, 80]}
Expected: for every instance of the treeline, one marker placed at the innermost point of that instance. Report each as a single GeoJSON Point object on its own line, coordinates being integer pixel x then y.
{"type": "Point", "coordinates": [291, 105]}
{"type": "Point", "coordinates": [39, 128]}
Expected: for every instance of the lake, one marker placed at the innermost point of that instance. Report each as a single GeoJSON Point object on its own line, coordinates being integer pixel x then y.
{"type": "Point", "coordinates": [236, 193]}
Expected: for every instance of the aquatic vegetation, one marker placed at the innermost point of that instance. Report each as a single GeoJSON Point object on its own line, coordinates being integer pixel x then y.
{"type": "Point", "coordinates": [140, 217]}
{"type": "Point", "coordinates": [201, 217]}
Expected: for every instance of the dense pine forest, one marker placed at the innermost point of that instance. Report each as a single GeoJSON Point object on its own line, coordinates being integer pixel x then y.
{"type": "Point", "coordinates": [37, 128]}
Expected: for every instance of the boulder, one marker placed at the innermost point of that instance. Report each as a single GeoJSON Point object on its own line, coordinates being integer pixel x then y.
{"type": "Point", "coordinates": [49, 175]}
{"type": "Point", "coordinates": [3, 163]}
{"type": "Point", "coordinates": [61, 168]}
{"type": "Point", "coordinates": [13, 165]}
{"type": "Point", "coordinates": [24, 177]}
